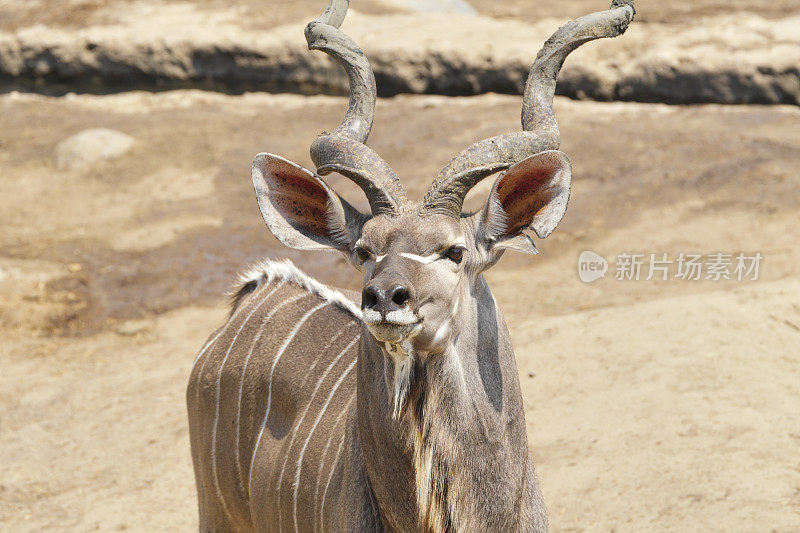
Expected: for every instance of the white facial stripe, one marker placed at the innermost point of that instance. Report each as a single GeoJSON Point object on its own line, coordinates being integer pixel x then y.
{"type": "Point", "coordinates": [380, 258]}
{"type": "Point", "coordinates": [421, 259]}
{"type": "Point", "coordinates": [442, 332]}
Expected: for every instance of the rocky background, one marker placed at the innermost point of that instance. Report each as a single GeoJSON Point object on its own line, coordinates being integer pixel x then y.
{"type": "Point", "coordinates": [678, 52]}
{"type": "Point", "coordinates": [126, 133]}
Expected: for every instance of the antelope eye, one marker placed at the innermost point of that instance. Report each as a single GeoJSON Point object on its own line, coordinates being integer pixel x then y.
{"type": "Point", "coordinates": [362, 254]}
{"type": "Point", "coordinates": [454, 254]}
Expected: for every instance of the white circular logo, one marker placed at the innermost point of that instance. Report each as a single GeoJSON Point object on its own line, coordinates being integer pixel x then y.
{"type": "Point", "coordinates": [591, 266]}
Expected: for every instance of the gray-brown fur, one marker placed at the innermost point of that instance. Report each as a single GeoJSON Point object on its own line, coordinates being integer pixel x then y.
{"type": "Point", "coordinates": [471, 434]}
{"type": "Point", "coordinates": [232, 496]}
{"type": "Point", "coordinates": [308, 413]}
{"type": "Point", "coordinates": [359, 459]}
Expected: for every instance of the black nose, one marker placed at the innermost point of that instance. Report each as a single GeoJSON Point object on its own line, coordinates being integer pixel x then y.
{"type": "Point", "coordinates": [384, 301]}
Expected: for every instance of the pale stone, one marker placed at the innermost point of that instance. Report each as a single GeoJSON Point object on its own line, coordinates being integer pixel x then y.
{"type": "Point", "coordinates": [90, 146]}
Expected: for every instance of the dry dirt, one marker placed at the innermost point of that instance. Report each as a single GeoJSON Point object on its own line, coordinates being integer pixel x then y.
{"type": "Point", "coordinates": [651, 405]}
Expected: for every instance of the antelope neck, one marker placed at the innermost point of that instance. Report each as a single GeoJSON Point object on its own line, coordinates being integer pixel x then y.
{"type": "Point", "coordinates": [458, 451]}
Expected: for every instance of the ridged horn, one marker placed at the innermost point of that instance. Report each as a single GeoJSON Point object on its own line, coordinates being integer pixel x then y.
{"type": "Point", "coordinates": [344, 149]}
{"type": "Point", "coordinates": [540, 129]}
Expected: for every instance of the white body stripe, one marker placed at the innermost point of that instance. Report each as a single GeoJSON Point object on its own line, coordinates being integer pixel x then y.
{"type": "Point", "coordinates": [244, 371]}
{"type": "Point", "coordinates": [217, 399]}
{"type": "Point", "coordinates": [269, 386]}
{"type": "Point", "coordinates": [322, 462]}
{"type": "Point", "coordinates": [253, 321]}
{"type": "Point", "coordinates": [200, 371]}
{"type": "Point", "coordinates": [330, 477]}
{"type": "Point", "coordinates": [319, 417]}
{"type": "Point", "coordinates": [308, 406]}
{"type": "Point", "coordinates": [206, 347]}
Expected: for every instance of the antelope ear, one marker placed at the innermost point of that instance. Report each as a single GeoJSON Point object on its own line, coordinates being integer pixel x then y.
{"type": "Point", "coordinates": [531, 194]}
{"type": "Point", "coordinates": [300, 209]}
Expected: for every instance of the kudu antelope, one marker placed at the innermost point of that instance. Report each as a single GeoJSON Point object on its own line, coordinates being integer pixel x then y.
{"type": "Point", "coordinates": [309, 411]}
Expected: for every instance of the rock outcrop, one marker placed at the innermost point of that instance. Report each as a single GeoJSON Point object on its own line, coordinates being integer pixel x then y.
{"type": "Point", "coordinates": [741, 58]}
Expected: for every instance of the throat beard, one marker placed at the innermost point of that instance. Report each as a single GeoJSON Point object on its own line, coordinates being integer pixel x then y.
{"type": "Point", "coordinates": [402, 359]}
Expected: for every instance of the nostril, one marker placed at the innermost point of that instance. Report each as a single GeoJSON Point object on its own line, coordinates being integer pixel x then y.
{"type": "Point", "coordinates": [369, 298]}
{"type": "Point", "coordinates": [400, 296]}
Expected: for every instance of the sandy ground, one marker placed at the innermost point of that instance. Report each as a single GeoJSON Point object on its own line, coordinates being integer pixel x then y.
{"type": "Point", "coordinates": [651, 405]}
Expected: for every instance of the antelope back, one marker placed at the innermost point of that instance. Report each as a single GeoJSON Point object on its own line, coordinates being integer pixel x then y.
{"type": "Point", "coordinates": [268, 401]}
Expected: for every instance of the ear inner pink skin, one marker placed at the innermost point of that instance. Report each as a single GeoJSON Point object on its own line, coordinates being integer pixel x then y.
{"type": "Point", "coordinates": [296, 195]}
{"type": "Point", "coordinates": [534, 192]}
{"type": "Point", "coordinates": [524, 195]}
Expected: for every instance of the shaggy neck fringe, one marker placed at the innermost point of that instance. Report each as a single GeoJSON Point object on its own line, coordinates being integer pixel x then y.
{"type": "Point", "coordinates": [430, 470]}
{"type": "Point", "coordinates": [269, 270]}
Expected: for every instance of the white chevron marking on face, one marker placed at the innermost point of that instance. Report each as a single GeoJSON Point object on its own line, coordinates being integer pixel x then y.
{"type": "Point", "coordinates": [426, 259]}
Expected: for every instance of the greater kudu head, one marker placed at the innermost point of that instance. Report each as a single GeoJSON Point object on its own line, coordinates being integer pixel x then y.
{"type": "Point", "coordinates": [421, 261]}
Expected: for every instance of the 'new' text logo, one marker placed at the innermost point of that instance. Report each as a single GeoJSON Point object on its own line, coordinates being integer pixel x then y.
{"type": "Point", "coordinates": [591, 266]}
